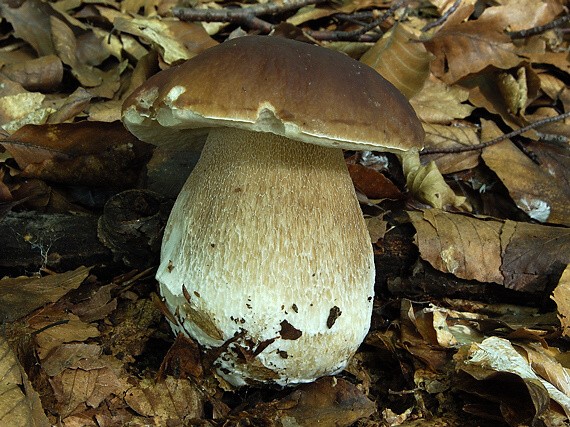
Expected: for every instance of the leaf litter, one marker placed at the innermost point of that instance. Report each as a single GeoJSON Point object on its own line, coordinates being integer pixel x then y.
{"type": "Point", "coordinates": [90, 347]}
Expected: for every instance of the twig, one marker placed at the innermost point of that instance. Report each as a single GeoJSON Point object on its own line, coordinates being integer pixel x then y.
{"type": "Point", "coordinates": [359, 34]}
{"type": "Point", "coordinates": [245, 16]}
{"type": "Point", "coordinates": [482, 145]}
{"type": "Point", "coordinates": [51, 325]}
{"type": "Point", "coordinates": [540, 29]}
{"type": "Point", "coordinates": [249, 17]}
{"type": "Point", "coordinates": [443, 17]}
{"type": "Point", "coordinates": [342, 36]}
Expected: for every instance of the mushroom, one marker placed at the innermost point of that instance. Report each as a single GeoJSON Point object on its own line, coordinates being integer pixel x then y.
{"type": "Point", "coordinates": [266, 257]}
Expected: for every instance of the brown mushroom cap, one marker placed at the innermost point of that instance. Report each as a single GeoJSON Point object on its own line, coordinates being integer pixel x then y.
{"type": "Point", "coordinates": [271, 84]}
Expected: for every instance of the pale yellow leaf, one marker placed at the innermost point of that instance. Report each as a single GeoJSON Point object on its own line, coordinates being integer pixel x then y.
{"type": "Point", "coordinates": [440, 103]}
{"type": "Point", "coordinates": [400, 59]}
{"type": "Point", "coordinates": [20, 405]}
{"type": "Point", "coordinates": [20, 108]}
{"type": "Point", "coordinates": [514, 90]}
{"type": "Point", "coordinates": [427, 184]}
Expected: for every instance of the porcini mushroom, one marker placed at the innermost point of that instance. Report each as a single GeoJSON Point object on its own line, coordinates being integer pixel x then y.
{"type": "Point", "coordinates": [266, 255]}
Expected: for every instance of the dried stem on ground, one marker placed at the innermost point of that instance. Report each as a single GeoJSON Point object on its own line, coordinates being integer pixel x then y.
{"type": "Point", "coordinates": [521, 34]}
{"type": "Point", "coordinates": [485, 144]}
{"type": "Point", "coordinates": [443, 17]}
{"type": "Point", "coordinates": [249, 17]}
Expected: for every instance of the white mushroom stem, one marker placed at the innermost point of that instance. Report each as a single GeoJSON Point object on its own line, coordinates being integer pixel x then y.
{"type": "Point", "coordinates": [266, 242]}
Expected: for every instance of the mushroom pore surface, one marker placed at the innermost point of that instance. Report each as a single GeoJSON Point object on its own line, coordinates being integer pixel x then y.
{"type": "Point", "coordinates": [266, 246]}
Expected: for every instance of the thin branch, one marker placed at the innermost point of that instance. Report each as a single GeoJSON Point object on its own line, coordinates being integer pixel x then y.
{"type": "Point", "coordinates": [443, 17]}
{"type": "Point", "coordinates": [540, 29]}
{"type": "Point", "coordinates": [359, 34]}
{"type": "Point", "coordinates": [342, 36]}
{"type": "Point", "coordinates": [509, 135]}
{"type": "Point", "coordinates": [247, 16]}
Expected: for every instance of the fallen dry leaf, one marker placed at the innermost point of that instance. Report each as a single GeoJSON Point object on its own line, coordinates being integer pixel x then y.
{"type": "Point", "coordinates": [30, 20]}
{"type": "Point", "coordinates": [494, 355]}
{"type": "Point", "coordinates": [537, 190]}
{"type": "Point", "coordinates": [451, 137]}
{"type": "Point", "coordinates": [21, 109]}
{"type": "Point", "coordinates": [21, 296]}
{"type": "Point", "coordinates": [533, 255]}
{"type": "Point", "coordinates": [66, 45]}
{"type": "Point", "coordinates": [400, 59]}
{"type": "Point", "coordinates": [87, 153]}
{"type": "Point", "coordinates": [166, 402]}
{"type": "Point", "coordinates": [84, 385]}
{"type": "Point", "coordinates": [54, 328]}
{"type": "Point", "coordinates": [427, 184]}
{"type": "Point", "coordinates": [561, 296]}
{"type": "Point", "coordinates": [464, 246]}
{"type": "Point", "coordinates": [372, 183]}
{"type": "Point", "coordinates": [519, 256]}
{"type": "Point", "coordinates": [328, 402]}
{"type": "Point", "coordinates": [20, 404]}
{"type": "Point", "coordinates": [440, 103]}
{"type": "Point", "coordinates": [40, 74]}
{"type": "Point", "coordinates": [176, 40]}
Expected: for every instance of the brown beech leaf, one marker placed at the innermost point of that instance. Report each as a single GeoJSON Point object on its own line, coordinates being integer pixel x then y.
{"type": "Point", "coordinates": [427, 184]}
{"type": "Point", "coordinates": [468, 48]}
{"type": "Point", "coordinates": [400, 59]}
{"type": "Point", "coordinates": [65, 44]}
{"type": "Point", "coordinates": [440, 103]}
{"type": "Point", "coordinates": [70, 106]}
{"type": "Point", "coordinates": [69, 355]}
{"type": "Point", "coordinates": [88, 153]}
{"type": "Point", "coordinates": [22, 109]}
{"type": "Point", "coordinates": [523, 396]}
{"type": "Point", "coordinates": [521, 256]}
{"type": "Point", "coordinates": [420, 345]}
{"type": "Point", "coordinates": [466, 247]}
{"type": "Point", "coordinates": [454, 136]}
{"type": "Point", "coordinates": [21, 296]}
{"type": "Point", "coordinates": [20, 404]}
{"type": "Point", "coordinates": [377, 228]}
{"type": "Point", "coordinates": [175, 40]}
{"type": "Point", "coordinates": [41, 74]}
{"type": "Point", "coordinates": [328, 402]}
{"type": "Point", "coordinates": [167, 402]}
{"type": "Point", "coordinates": [9, 87]}
{"type": "Point", "coordinates": [517, 15]}
{"type": "Point", "coordinates": [561, 297]}
{"type": "Point", "coordinates": [533, 255]}
{"type": "Point", "coordinates": [462, 11]}
{"type": "Point", "coordinates": [31, 22]}
{"type": "Point", "coordinates": [372, 183]}
{"type": "Point", "coordinates": [541, 191]}
{"type": "Point", "coordinates": [84, 386]}
{"type": "Point", "coordinates": [183, 358]}
{"type": "Point", "coordinates": [58, 328]}
{"type": "Point", "coordinates": [556, 377]}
